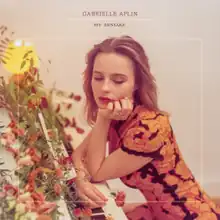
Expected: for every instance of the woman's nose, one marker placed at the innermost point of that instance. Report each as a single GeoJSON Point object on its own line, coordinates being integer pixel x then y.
{"type": "Point", "coordinates": [106, 86]}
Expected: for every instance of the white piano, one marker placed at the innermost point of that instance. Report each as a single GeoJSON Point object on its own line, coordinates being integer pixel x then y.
{"type": "Point", "coordinates": [110, 207]}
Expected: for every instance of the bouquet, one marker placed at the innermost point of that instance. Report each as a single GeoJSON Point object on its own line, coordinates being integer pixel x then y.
{"type": "Point", "coordinates": [38, 142]}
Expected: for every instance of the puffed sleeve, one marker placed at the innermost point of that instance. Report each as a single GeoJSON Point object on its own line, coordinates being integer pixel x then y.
{"type": "Point", "coordinates": [147, 137]}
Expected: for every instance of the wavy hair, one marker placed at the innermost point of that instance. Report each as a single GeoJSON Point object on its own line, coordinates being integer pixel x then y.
{"type": "Point", "coordinates": [145, 83]}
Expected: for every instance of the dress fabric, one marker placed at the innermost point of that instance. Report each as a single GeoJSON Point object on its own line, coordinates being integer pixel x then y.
{"type": "Point", "coordinates": [170, 189]}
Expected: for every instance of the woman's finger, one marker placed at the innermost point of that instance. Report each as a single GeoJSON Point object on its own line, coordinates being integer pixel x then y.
{"type": "Point", "coordinates": [99, 194]}
{"type": "Point", "coordinates": [117, 107]}
{"type": "Point", "coordinates": [91, 194]}
{"type": "Point", "coordinates": [129, 104]}
{"type": "Point", "coordinates": [85, 200]}
{"type": "Point", "coordinates": [110, 106]}
{"type": "Point", "coordinates": [125, 105]}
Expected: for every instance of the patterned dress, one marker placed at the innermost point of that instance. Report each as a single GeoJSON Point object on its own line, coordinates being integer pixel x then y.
{"type": "Point", "coordinates": [170, 189]}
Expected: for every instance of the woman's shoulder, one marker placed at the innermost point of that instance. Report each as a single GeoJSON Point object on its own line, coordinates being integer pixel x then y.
{"type": "Point", "coordinates": [148, 131]}
{"type": "Point", "coordinates": [143, 113]}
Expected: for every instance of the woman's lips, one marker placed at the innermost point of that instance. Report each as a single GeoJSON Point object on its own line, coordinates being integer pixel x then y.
{"type": "Point", "coordinates": [105, 100]}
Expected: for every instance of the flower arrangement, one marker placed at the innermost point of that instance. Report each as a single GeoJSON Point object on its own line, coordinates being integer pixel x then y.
{"type": "Point", "coordinates": [38, 143]}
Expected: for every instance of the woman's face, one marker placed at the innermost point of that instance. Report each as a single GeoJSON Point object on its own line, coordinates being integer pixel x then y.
{"type": "Point", "coordinates": [113, 78]}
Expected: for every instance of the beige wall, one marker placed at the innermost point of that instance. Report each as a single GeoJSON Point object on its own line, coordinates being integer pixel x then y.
{"type": "Point", "coordinates": [181, 39]}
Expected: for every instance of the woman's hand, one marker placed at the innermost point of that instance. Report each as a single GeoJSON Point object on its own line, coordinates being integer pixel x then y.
{"type": "Point", "coordinates": [117, 110]}
{"type": "Point", "coordinates": [89, 194]}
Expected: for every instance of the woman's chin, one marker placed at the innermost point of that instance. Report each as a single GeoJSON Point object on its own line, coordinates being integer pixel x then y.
{"type": "Point", "coordinates": [102, 104]}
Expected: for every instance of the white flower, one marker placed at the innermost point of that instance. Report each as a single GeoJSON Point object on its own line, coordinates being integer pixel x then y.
{"type": "Point", "coordinates": [29, 216]}
{"type": "Point", "coordinates": [3, 141]}
{"type": "Point", "coordinates": [20, 208]}
{"type": "Point", "coordinates": [11, 205]}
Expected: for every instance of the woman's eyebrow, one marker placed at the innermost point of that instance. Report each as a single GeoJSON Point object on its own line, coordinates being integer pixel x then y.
{"type": "Point", "coordinates": [112, 74]}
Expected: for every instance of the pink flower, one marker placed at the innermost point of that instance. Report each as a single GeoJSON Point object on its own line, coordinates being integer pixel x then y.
{"type": "Point", "coordinates": [38, 198]}
{"type": "Point", "coordinates": [120, 198]}
{"type": "Point", "coordinates": [77, 212]}
{"type": "Point", "coordinates": [18, 131]}
{"type": "Point", "coordinates": [2, 194]}
{"type": "Point", "coordinates": [47, 208]}
{"type": "Point", "coordinates": [57, 189]}
{"type": "Point", "coordinates": [65, 161]}
{"type": "Point", "coordinates": [44, 103]}
{"type": "Point", "coordinates": [14, 151]}
{"type": "Point", "coordinates": [29, 187]}
{"type": "Point", "coordinates": [30, 206]}
{"type": "Point", "coordinates": [10, 190]}
{"type": "Point", "coordinates": [59, 173]}
{"type": "Point", "coordinates": [9, 138]}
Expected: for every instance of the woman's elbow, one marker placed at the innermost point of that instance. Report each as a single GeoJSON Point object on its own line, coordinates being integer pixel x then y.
{"type": "Point", "coordinates": [96, 179]}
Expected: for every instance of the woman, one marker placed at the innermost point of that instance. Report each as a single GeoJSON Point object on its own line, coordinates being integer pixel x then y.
{"type": "Point", "coordinates": [122, 106]}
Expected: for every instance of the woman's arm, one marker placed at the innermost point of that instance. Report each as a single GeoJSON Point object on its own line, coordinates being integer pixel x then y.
{"type": "Point", "coordinates": [79, 154]}
{"type": "Point", "coordinates": [97, 145]}
{"type": "Point", "coordinates": [140, 145]}
{"type": "Point", "coordinates": [87, 192]}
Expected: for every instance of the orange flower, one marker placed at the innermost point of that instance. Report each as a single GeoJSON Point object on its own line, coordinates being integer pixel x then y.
{"type": "Point", "coordinates": [38, 198]}
{"type": "Point", "coordinates": [17, 78]}
{"type": "Point", "coordinates": [32, 176]}
{"type": "Point", "coordinates": [33, 138]}
{"type": "Point", "coordinates": [31, 105]}
{"type": "Point", "coordinates": [32, 152]}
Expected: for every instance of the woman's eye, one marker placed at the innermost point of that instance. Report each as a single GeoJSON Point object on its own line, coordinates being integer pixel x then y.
{"type": "Point", "coordinates": [98, 78]}
{"type": "Point", "coordinates": [118, 81]}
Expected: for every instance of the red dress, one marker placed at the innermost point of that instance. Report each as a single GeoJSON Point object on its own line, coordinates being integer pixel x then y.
{"type": "Point", "coordinates": [170, 189]}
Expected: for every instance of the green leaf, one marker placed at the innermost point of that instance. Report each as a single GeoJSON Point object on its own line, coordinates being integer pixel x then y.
{"type": "Point", "coordinates": [12, 90]}
{"type": "Point", "coordinates": [23, 64]}
{"type": "Point", "coordinates": [26, 54]}
{"type": "Point", "coordinates": [31, 62]}
{"type": "Point", "coordinates": [3, 61]}
{"type": "Point", "coordinates": [6, 58]}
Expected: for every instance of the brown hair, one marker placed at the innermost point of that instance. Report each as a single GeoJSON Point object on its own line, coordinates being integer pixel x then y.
{"type": "Point", "coordinates": [146, 91]}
